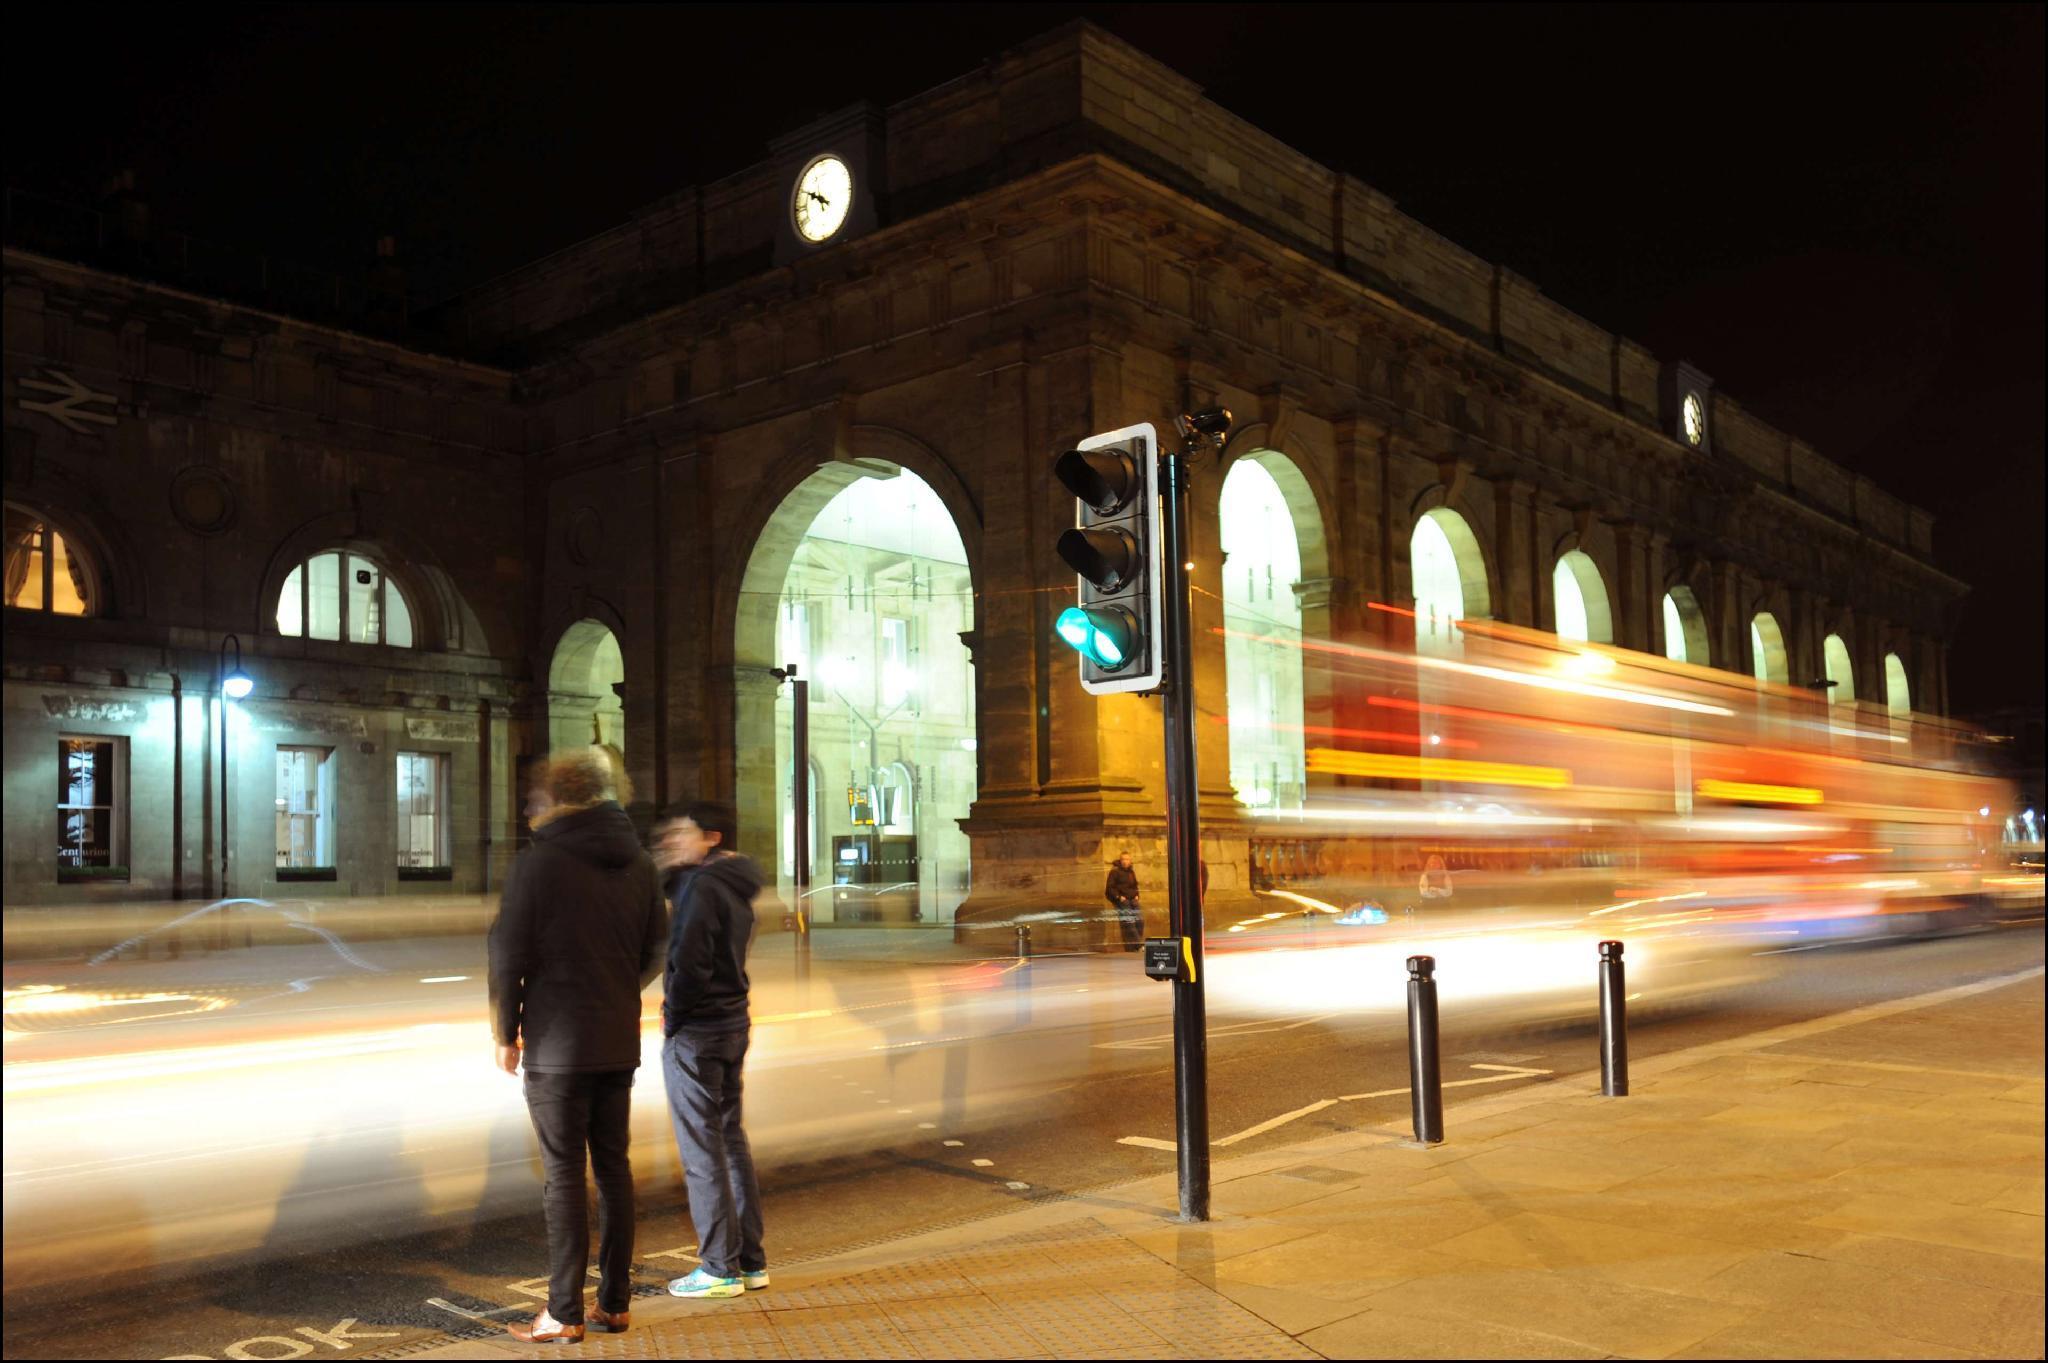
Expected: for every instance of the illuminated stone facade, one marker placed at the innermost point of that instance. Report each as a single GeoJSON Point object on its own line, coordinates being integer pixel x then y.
{"type": "Point", "coordinates": [1066, 240]}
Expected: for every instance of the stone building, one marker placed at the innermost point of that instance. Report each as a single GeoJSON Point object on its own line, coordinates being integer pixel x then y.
{"type": "Point", "coordinates": [601, 497]}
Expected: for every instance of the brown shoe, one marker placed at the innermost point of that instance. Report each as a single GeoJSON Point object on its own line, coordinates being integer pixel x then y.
{"type": "Point", "coordinates": [545, 1329]}
{"type": "Point", "coordinates": [613, 1322]}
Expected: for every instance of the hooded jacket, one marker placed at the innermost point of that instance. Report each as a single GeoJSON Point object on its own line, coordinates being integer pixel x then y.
{"type": "Point", "coordinates": [578, 936]}
{"type": "Point", "coordinates": [713, 925]}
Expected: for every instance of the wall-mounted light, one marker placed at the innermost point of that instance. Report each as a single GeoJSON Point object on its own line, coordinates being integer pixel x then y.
{"type": "Point", "coordinates": [235, 684]}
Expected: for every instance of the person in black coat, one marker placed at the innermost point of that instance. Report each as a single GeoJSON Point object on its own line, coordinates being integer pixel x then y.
{"type": "Point", "coordinates": [1121, 890]}
{"type": "Point", "coordinates": [578, 935]}
{"type": "Point", "coordinates": [706, 1027]}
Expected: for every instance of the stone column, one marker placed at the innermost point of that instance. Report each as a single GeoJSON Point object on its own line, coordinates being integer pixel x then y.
{"type": "Point", "coordinates": [1515, 555]}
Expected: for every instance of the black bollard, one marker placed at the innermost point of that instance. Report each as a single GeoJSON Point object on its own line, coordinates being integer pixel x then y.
{"type": "Point", "coordinates": [1613, 1022]}
{"type": "Point", "coordinates": [1425, 1080]}
{"type": "Point", "coordinates": [1023, 942]}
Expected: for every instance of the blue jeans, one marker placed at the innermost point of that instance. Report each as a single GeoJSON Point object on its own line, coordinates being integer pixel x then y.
{"type": "Point", "coordinates": [702, 1072]}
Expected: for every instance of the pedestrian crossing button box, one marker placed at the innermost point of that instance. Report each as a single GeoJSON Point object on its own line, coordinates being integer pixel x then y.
{"type": "Point", "coordinates": [1162, 958]}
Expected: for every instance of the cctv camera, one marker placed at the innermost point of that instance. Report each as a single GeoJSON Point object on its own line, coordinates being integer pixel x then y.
{"type": "Point", "coordinates": [1212, 421]}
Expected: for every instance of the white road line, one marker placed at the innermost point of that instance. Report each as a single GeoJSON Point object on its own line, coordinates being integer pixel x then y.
{"type": "Point", "coordinates": [1505, 1073]}
{"type": "Point", "coordinates": [1160, 1040]}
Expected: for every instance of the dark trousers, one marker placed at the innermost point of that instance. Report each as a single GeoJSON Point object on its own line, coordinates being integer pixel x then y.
{"type": "Point", "coordinates": [702, 1070]}
{"type": "Point", "coordinates": [1133, 922]}
{"type": "Point", "coordinates": [573, 1113]}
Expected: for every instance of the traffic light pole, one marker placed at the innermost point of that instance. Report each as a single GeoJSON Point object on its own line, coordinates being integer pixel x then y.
{"type": "Point", "coordinates": [1183, 844]}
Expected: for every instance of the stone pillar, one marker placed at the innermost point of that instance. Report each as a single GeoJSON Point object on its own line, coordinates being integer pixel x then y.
{"type": "Point", "coordinates": [1632, 627]}
{"type": "Point", "coordinates": [1521, 584]}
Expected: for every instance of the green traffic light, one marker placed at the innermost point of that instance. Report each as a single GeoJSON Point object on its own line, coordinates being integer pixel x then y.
{"type": "Point", "coordinates": [1104, 635]}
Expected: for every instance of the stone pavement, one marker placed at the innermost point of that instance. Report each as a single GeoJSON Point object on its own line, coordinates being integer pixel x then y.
{"type": "Point", "coordinates": [1862, 1185]}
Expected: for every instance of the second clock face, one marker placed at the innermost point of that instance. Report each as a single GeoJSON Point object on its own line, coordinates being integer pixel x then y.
{"type": "Point", "coordinates": [1695, 420]}
{"type": "Point", "coordinates": [824, 193]}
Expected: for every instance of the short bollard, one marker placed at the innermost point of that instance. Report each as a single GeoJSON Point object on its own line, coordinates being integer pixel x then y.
{"type": "Point", "coordinates": [1425, 1080]}
{"type": "Point", "coordinates": [1023, 942]}
{"type": "Point", "coordinates": [1613, 1022]}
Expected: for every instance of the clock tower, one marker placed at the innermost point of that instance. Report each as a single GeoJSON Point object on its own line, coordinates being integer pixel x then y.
{"type": "Point", "coordinates": [1688, 402]}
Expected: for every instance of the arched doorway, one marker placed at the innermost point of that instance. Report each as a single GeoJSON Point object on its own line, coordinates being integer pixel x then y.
{"type": "Point", "coordinates": [1685, 628]}
{"type": "Point", "coordinates": [868, 583]}
{"type": "Point", "coordinates": [1583, 614]}
{"type": "Point", "coordinates": [1841, 671]}
{"type": "Point", "coordinates": [1262, 619]}
{"type": "Point", "coordinates": [1898, 696]}
{"type": "Point", "coordinates": [1449, 573]}
{"type": "Point", "coordinates": [1767, 649]}
{"type": "Point", "coordinates": [584, 678]}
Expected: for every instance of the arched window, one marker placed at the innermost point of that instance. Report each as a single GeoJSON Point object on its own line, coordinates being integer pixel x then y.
{"type": "Point", "coordinates": [343, 596]}
{"type": "Point", "coordinates": [1582, 610]}
{"type": "Point", "coordinates": [1767, 649]}
{"type": "Point", "coordinates": [1262, 660]}
{"type": "Point", "coordinates": [1898, 696]}
{"type": "Point", "coordinates": [1685, 628]}
{"type": "Point", "coordinates": [1449, 577]}
{"type": "Point", "coordinates": [45, 571]}
{"type": "Point", "coordinates": [1836, 654]}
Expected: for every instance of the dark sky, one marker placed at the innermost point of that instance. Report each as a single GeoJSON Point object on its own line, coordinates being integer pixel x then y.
{"type": "Point", "coordinates": [1836, 212]}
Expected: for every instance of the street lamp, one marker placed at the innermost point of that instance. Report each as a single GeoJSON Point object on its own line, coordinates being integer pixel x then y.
{"type": "Point", "coordinates": [235, 684]}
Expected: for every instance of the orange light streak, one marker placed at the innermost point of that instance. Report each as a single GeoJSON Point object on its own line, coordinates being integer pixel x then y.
{"type": "Point", "coordinates": [1758, 794]}
{"type": "Point", "coordinates": [1387, 734]}
{"type": "Point", "coordinates": [1398, 767]}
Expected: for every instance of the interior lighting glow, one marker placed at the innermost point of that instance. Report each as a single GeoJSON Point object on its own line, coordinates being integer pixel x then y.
{"type": "Point", "coordinates": [1742, 826]}
{"type": "Point", "coordinates": [1399, 767]}
{"type": "Point", "coordinates": [1759, 794]}
{"type": "Point", "coordinates": [1440, 817]}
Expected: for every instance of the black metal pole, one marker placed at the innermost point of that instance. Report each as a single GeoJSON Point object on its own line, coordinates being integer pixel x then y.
{"type": "Point", "coordinates": [1183, 841]}
{"type": "Point", "coordinates": [800, 791]}
{"type": "Point", "coordinates": [1425, 1077]}
{"type": "Point", "coordinates": [1613, 1022]}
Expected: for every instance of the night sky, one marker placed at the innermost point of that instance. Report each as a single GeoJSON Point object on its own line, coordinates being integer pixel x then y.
{"type": "Point", "coordinates": [1835, 212]}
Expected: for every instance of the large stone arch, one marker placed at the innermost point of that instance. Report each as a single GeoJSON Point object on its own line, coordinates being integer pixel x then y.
{"type": "Point", "coordinates": [1474, 572]}
{"type": "Point", "coordinates": [781, 515]}
{"type": "Point", "coordinates": [586, 682]}
{"type": "Point", "coordinates": [1898, 687]}
{"type": "Point", "coordinates": [868, 449]}
{"type": "Point", "coordinates": [1267, 763]}
{"type": "Point", "coordinates": [1686, 637]}
{"type": "Point", "coordinates": [1770, 659]}
{"type": "Point", "coordinates": [1581, 606]}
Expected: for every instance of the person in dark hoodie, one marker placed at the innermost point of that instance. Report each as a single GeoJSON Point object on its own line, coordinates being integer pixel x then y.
{"type": "Point", "coordinates": [707, 1027]}
{"type": "Point", "coordinates": [578, 935]}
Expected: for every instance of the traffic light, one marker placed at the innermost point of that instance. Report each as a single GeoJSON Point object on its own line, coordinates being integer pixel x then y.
{"type": "Point", "coordinates": [1114, 547]}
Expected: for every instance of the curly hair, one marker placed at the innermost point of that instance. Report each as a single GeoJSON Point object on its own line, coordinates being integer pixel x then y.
{"type": "Point", "coordinates": [578, 778]}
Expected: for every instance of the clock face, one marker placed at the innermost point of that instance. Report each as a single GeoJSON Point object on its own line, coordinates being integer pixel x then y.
{"type": "Point", "coordinates": [1695, 420]}
{"type": "Point", "coordinates": [824, 193]}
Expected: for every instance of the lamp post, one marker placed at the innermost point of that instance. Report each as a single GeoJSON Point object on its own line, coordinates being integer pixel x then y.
{"type": "Point", "coordinates": [234, 685]}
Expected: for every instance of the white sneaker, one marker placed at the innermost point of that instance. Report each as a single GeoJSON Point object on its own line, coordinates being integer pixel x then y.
{"type": "Point", "coordinates": [755, 1281]}
{"type": "Point", "coordinates": [701, 1284]}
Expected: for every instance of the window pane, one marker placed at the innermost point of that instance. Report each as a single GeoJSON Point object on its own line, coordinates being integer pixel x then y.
{"type": "Point", "coordinates": [1674, 631]}
{"type": "Point", "coordinates": [398, 620]}
{"type": "Point", "coordinates": [323, 596]}
{"type": "Point", "coordinates": [422, 838]}
{"type": "Point", "coordinates": [69, 594]}
{"type": "Point", "coordinates": [24, 561]}
{"type": "Point", "coordinates": [365, 601]}
{"type": "Point", "coordinates": [305, 799]}
{"type": "Point", "coordinates": [85, 803]}
{"type": "Point", "coordinates": [290, 613]}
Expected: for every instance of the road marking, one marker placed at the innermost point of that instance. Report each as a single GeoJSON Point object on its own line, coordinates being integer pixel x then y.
{"type": "Point", "coordinates": [983, 1163]}
{"type": "Point", "coordinates": [953, 1142]}
{"type": "Point", "coordinates": [1015, 1186]}
{"type": "Point", "coordinates": [1503, 1074]}
{"type": "Point", "coordinates": [1162, 1039]}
